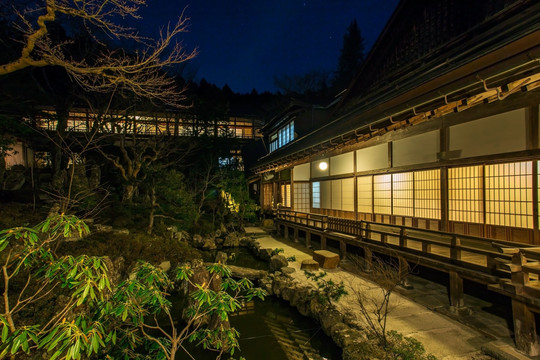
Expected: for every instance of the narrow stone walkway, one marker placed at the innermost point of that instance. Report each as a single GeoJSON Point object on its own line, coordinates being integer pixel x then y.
{"type": "Point", "coordinates": [442, 336]}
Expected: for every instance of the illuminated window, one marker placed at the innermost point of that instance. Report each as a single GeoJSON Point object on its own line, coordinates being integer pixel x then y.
{"type": "Point", "coordinates": [427, 194]}
{"type": "Point", "coordinates": [286, 195]}
{"type": "Point", "coordinates": [465, 200]}
{"type": "Point", "coordinates": [301, 197]}
{"type": "Point", "coordinates": [316, 195]}
{"type": "Point", "coordinates": [273, 142]}
{"type": "Point", "coordinates": [336, 194]}
{"type": "Point", "coordinates": [347, 194]}
{"type": "Point", "coordinates": [509, 194]}
{"type": "Point", "coordinates": [282, 137]}
{"type": "Point", "coordinates": [382, 194]}
{"type": "Point", "coordinates": [402, 194]}
{"type": "Point", "coordinates": [326, 194]}
{"type": "Point", "coordinates": [365, 194]}
{"type": "Point", "coordinates": [267, 195]}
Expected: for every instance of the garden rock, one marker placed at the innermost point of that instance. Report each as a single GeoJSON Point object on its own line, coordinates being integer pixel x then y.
{"type": "Point", "coordinates": [329, 319]}
{"type": "Point", "coordinates": [251, 274]}
{"type": "Point", "coordinates": [301, 295]}
{"type": "Point", "coordinates": [287, 293]}
{"type": "Point", "coordinates": [209, 243]}
{"type": "Point", "coordinates": [287, 270]}
{"type": "Point", "coordinates": [221, 257]}
{"type": "Point", "coordinates": [326, 259]}
{"type": "Point", "coordinates": [265, 283]}
{"type": "Point", "coordinates": [198, 241]}
{"type": "Point", "coordinates": [231, 240]}
{"type": "Point", "coordinates": [310, 265]}
{"type": "Point", "coordinates": [277, 262]}
{"type": "Point", "coordinates": [265, 254]}
{"type": "Point", "coordinates": [165, 266]}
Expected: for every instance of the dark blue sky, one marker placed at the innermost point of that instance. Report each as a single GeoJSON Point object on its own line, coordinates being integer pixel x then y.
{"type": "Point", "coordinates": [246, 43]}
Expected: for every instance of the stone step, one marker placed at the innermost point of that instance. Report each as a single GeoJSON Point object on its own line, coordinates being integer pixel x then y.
{"type": "Point", "coordinates": [292, 340]}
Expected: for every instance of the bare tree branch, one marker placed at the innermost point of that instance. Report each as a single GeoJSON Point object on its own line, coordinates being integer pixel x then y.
{"type": "Point", "coordinates": [142, 73]}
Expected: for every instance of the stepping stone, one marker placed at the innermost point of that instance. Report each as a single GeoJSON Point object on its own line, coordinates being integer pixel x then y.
{"type": "Point", "coordinates": [310, 265]}
{"type": "Point", "coordinates": [326, 259]}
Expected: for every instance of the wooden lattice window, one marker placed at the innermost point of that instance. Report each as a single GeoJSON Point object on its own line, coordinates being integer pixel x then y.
{"type": "Point", "coordinates": [382, 194]}
{"type": "Point", "coordinates": [267, 195]}
{"type": "Point", "coordinates": [427, 194]}
{"type": "Point", "coordinates": [286, 195]}
{"type": "Point", "coordinates": [364, 193]}
{"type": "Point", "coordinates": [465, 194]}
{"type": "Point", "coordinates": [301, 197]}
{"type": "Point", "coordinates": [509, 194]}
{"type": "Point", "coordinates": [403, 194]}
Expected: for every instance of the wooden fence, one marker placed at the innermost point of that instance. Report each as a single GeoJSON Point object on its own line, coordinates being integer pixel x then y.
{"type": "Point", "coordinates": [506, 267]}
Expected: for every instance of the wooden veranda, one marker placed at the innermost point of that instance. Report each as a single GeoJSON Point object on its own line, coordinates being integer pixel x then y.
{"type": "Point", "coordinates": [505, 267]}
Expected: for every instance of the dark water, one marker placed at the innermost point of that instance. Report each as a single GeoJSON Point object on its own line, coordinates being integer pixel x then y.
{"type": "Point", "coordinates": [270, 329]}
{"type": "Point", "coordinates": [238, 257]}
{"type": "Point", "coordinates": [273, 330]}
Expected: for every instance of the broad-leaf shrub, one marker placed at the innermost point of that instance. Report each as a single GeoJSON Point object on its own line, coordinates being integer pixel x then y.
{"type": "Point", "coordinates": [27, 258]}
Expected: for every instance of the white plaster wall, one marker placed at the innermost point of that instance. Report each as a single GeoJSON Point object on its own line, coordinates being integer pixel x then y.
{"type": "Point", "coordinates": [316, 171]}
{"type": "Point", "coordinates": [342, 164]}
{"type": "Point", "coordinates": [416, 149]}
{"type": "Point", "coordinates": [301, 172]}
{"type": "Point", "coordinates": [495, 134]}
{"type": "Point", "coordinates": [372, 158]}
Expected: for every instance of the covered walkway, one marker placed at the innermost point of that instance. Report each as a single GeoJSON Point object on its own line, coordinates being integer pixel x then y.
{"type": "Point", "coordinates": [457, 337]}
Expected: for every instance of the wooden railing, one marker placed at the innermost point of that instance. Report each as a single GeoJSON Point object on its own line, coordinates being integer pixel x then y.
{"type": "Point", "coordinates": [465, 251]}
{"type": "Point", "coordinates": [506, 267]}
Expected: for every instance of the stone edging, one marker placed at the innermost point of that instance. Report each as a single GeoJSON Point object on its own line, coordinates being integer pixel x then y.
{"type": "Point", "coordinates": [343, 329]}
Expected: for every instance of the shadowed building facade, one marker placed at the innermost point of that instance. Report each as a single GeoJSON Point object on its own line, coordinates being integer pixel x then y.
{"type": "Point", "coordinates": [437, 136]}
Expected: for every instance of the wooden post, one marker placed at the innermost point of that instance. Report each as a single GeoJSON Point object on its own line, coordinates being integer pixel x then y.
{"type": "Point", "coordinates": [323, 242]}
{"type": "Point", "coordinates": [368, 258]}
{"type": "Point", "coordinates": [455, 252]}
{"type": "Point", "coordinates": [456, 290]}
{"type": "Point", "coordinates": [403, 238]}
{"type": "Point", "coordinates": [525, 333]}
{"type": "Point", "coordinates": [342, 249]}
{"type": "Point", "coordinates": [286, 232]}
{"type": "Point", "coordinates": [426, 247]}
{"type": "Point", "coordinates": [308, 239]}
{"type": "Point", "coordinates": [295, 235]}
{"type": "Point", "coordinates": [525, 329]}
{"type": "Point", "coordinates": [403, 272]}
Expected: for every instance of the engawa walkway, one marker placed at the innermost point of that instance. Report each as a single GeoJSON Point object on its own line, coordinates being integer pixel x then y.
{"type": "Point", "coordinates": [442, 336]}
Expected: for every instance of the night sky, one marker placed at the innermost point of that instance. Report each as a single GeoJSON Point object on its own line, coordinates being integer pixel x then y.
{"type": "Point", "coordinates": [246, 43]}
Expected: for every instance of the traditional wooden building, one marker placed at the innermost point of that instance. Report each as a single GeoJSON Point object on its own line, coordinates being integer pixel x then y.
{"type": "Point", "coordinates": [439, 132]}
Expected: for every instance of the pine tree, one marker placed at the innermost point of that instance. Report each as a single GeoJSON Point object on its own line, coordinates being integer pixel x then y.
{"type": "Point", "coordinates": [351, 57]}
